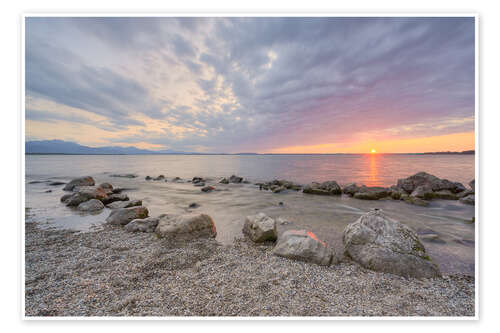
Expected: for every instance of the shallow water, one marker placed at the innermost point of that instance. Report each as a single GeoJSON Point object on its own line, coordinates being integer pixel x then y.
{"type": "Point", "coordinates": [326, 216]}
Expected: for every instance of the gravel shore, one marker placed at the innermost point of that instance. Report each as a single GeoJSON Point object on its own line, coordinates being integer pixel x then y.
{"type": "Point", "coordinates": [111, 272]}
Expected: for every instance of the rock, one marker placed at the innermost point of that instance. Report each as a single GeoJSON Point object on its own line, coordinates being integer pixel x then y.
{"type": "Point", "coordinates": [77, 198]}
{"type": "Point", "coordinates": [464, 193]}
{"type": "Point", "coordinates": [91, 206]}
{"type": "Point", "coordinates": [325, 188]}
{"type": "Point", "coordinates": [436, 184]}
{"type": "Point", "coordinates": [56, 183]}
{"type": "Point", "coordinates": [423, 192]}
{"type": "Point", "coordinates": [351, 189]}
{"type": "Point", "coordinates": [304, 246]}
{"type": "Point", "coordinates": [208, 189]}
{"type": "Point", "coordinates": [235, 179]}
{"type": "Point", "coordinates": [380, 243]}
{"type": "Point", "coordinates": [82, 181]}
{"type": "Point", "coordinates": [107, 187]}
{"type": "Point", "coordinates": [199, 184]}
{"type": "Point", "coordinates": [472, 184]}
{"type": "Point", "coordinates": [115, 197]}
{"type": "Point", "coordinates": [48, 191]}
{"type": "Point", "coordinates": [124, 204]}
{"type": "Point", "coordinates": [468, 200]}
{"type": "Point", "coordinates": [186, 227]}
{"type": "Point", "coordinates": [196, 180]}
{"type": "Point", "coordinates": [193, 205]}
{"type": "Point", "coordinates": [143, 225]}
{"type": "Point", "coordinates": [277, 189]}
{"type": "Point", "coordinates": [459, 187]}
{"type": "Point", "coordinates": [160, 177]}
{"type": "Point", "coordinates": [148, 178]}
{"type": "Point", "coordinates": [177, 180]}
{"type": "Point", "coordinates": [260, 228]}
{"type": "Point", "coordinates": [415, 201]}
{"type": "Point", "coordinates": [224, 181]}
{"type": "Point", "coordinates": [66, 197]}
{"type": "Point", "coordinates": [444, 195]}
{"type": "Point", "coordinates": [126, 175]}
{"type": "Point", "coordinates": [372, 193]}
{"type": "Point", "coordinates": [123, 216]}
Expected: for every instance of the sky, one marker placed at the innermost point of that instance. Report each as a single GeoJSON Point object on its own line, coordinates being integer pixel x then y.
{"type": "Point", "coordinates": [252, 84]}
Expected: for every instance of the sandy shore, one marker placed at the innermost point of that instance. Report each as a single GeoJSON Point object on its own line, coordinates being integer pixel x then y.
{"type": "Point", "coordinates": [111, 272]}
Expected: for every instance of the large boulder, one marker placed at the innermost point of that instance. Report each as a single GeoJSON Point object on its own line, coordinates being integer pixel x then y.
{"type": "Point", "coordinates": [469, 199]}
{"type": "Point", "coordinates": [325, 188]}
{"type": "Point", "coordinates": [423, 192]}
{"type": "Point", "coordinates": [93, 192]}
{"type": "Point", "coordinates": [124, 204]}
{"type": "Point", "coordinates": [82, 181]}
{"type": "Point", "coordinates": [143, 225]}
{"type": "Point", "coordinates": [260, 228]}
{"type": "Point", "coordinates": [430, 181]}
{"type": "Point", "coordinates": [186, 227]}
{"type": "Point", "coordinates": [303, 245]}
{"type": "Point", "coordinates": [380, 243]}
{"type": "Point", "coordinates": [372, 193]}
{"type": "Point", "coordinates": [124, 216]}
{"type": "Point", "coordinates": [90, 206]}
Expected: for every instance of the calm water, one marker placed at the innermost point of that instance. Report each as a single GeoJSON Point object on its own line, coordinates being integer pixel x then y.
{"type": "Point", "coordinates": [326, 216]}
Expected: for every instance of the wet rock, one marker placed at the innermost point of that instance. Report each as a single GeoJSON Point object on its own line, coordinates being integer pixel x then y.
{"type": "Point", "coordinates": [464, 193]}
{"type": "Point", "coordinates": [325, 188]}
{"type": "Point", "coordinates": [160, 177]}
{"type": "Point", "coordinates": [77, 198]}
{"type": "Point", "coordinates": [436, 184]}
{"type": "Point", "coordinates": [91, 206]}
{"type": "Point", "coordinates": [444, 195]}
{"type": "Point", "coordinates": [48, 191]}
{"type": "Point", "coordinates": [143, 225]}
{"type": "Point", "coordinates": [124, 216]}
{"type": "Point", "coordinates": [260, 228]}
{"type": "Point", "coordinates": [106, 187]}
{"type": "Point", "coordinates": [208, 189]}
{"type": "Point", "coordinates": [81, 181]}
{"type": "Point", "coordinates": [193, 205]}
{"type": "Point", "coordinates": [423, 192]}
{"type": "Point", "coordinates": [351, 189]}
{"type": "Point", "coordinates": [199, 184]}
{"type": "Point", "coordinates": [472, 184]}
{"type": "Point", "coordinates": [224, 181]}
{"type": "Point", "coordinates": [235, 179]}
{"type": "Point", "coordinates": [148, 178]}
{"type": "Point", "coordinates": [277, 189]}
{"type": "Point", "coordinates": [56, 183]}
{"type": "Point", "coordinates": [177, 180]}
{"type": "Point", "coordinates": [115, 197]}
{"type": "Point", "coordinates": [125, 175]}
{"type": "Point", "coordinates": [372, 193]}
{"type": "Point", "coordinates": [415, 201]}
{"type": "Point", "coordinates": [186, 227]}
{"type": "Point", "coordinates": [303, 245]}
{"type": "Point", "coordinates": [197, 180]}
{"type": "Point", "coordinates": [380, 243]}
{"type": "Point", "coordinates": [124, 204]}
{"type": "Point", "coordinates": [468, 200]}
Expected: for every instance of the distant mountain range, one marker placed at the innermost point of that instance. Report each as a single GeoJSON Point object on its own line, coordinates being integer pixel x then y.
{"type": "Point", "coordinates": [71, 148]}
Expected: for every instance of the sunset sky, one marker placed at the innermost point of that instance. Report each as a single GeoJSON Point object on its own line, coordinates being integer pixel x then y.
{"type": "Point", "coordinates": [267, 85]}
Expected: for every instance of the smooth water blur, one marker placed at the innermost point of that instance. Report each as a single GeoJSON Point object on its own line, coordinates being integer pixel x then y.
{"type": "Point", "coordinates": [325, 216]}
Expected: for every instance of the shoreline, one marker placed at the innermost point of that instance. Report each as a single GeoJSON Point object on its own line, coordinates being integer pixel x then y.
{"type": "Point", "coordinates": [112, 272]}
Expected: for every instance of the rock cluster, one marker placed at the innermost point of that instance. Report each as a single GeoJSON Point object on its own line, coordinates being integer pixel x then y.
{"type": "Point", "coordinates": [279, 185]}
{"type": "Point", "coordinates": [325, 188]}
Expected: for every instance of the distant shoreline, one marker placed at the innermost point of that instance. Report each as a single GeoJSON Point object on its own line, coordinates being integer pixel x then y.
{"type": "Point", "coordinates": [468, 152]}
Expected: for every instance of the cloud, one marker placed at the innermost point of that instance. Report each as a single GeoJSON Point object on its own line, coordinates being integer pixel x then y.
{"type": "Point", "coordinates": [233, 84]}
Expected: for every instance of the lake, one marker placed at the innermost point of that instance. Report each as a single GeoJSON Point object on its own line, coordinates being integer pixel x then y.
{"type": "Point", "coordinates": [326, 216]}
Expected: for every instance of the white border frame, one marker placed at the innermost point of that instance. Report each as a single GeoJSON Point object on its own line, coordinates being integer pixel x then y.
{"type": "Point", "coordinates": [266, 13]}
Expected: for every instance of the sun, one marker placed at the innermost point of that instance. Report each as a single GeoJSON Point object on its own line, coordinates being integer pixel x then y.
{"type": "Point", "coordinates": [373, 151]}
